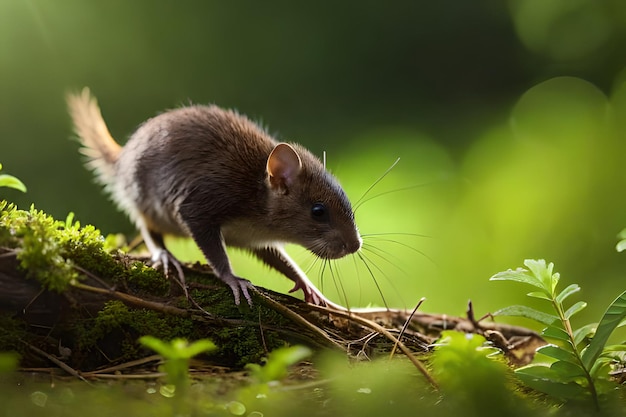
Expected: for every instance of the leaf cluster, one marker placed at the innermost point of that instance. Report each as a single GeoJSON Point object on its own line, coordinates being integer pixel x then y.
{"type": "Point", "coordinates": [578, 360]}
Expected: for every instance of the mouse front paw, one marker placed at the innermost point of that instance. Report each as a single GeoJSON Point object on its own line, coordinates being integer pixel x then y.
{"type": "Point", "coordinates": [239, 286]}
{"type": "Point", "coordinates": [163, 258]}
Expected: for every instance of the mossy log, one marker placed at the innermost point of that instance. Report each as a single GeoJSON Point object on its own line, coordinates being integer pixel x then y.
{"type": "Point", "coordinates": [66, 302]}
{"type": "Point", "coordinates": [96, 322]}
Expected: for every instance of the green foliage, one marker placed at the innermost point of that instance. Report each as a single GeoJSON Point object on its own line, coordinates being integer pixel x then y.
{"type": "Point", "coordinates": [48, 249]}
{"type": "Point", "coordinates": [11, 182]}
{"type": "Point", "coordinates": [621, 245]}
{"type": "Point", "coordinates": [277, 363]}
{"type": "Point", "coordinates": [471, 374]}
{"type": "Point", "coordinates": [578, 360]}
{"type": "Point", "coordinates": [177, 354]}
{"type": "Point", "coordinates": [267, 378]}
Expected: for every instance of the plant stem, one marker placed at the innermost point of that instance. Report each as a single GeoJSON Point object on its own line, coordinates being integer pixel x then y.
{"type": "Point", "coordinates": [568, 328]}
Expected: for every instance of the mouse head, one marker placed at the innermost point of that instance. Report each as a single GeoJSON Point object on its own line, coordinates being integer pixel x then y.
{"type": "Point", "coordinates": [308, 205]}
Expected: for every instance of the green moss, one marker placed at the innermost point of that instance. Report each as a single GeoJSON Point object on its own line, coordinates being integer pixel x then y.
{"type": "Point", "coordinates": [242, 345]}
{"type": "Point", "coordinates": [143, 278]}
{"type": "Point", "coordinates": [50, 250]}
{"type": "Point", "coordinates": [128, 325]}
{"type": "Point", "coordinates": [54, 252]}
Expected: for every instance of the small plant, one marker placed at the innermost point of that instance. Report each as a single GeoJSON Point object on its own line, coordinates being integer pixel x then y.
{"type": "Point", "coordinates": [472, 374]}
{"type": "Point", "coordinates": [11, 182]}
{"type": "Point", "coordinates": [275, 367]}
{"type": "Point", "coordinates": [579, 358]}
{"type": "Point", "coordinates": [177, 354]}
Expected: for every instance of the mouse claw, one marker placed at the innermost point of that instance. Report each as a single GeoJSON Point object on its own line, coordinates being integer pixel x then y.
{"type": "Point", "coordinates": [239, 286]}
{"type": "Point", "coordinates": [314, 296]}
{"type": "Point", "coordinates": [163, 258]}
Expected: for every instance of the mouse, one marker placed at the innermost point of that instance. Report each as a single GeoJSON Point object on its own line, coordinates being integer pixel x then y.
{"type": "Point", "coordinates": [214, 175]}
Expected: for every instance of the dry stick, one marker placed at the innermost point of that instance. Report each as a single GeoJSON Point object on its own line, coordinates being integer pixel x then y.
{"type": "Point", "coordinates": [56, 361]}
{"type": "Point", "coordinates": [299, 319]}
{"type": "Point", "coordinates": [125, 365]}
{"type": "Point", "coordinates": [133, 300]}
{"type": "Point", "coordinates": [374, 326]}
{"type": "Point", "coordinates": [406, 324]}
{"type": "Point", "coordinates": [152, 375]}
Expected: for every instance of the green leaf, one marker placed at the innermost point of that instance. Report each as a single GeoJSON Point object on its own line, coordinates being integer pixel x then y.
{"type": "Point", "coordinates": [199, 346]}
{"type": "Point", "coordinates": [556, 352]}
{"type": "Point", "coordinates": [575, 309]}
{"type": "Point", "coordinates": [621, 245]}
{"type": "Point", "coordinates": [278, 362]}
{"type": "Point", "coordinates": [571, 289]}
{"type": "Point", "coordinates": [583, 332]}
{"type": "Point", "coordinates": [159, 346]}
{"type": "Point", "coordinates": [553, 332]}
{"type": "Point", "coordinates": [568, 371]}
{"type": "Point", "coordinates": [12, 182]}
{"type": "Point", "coordinates": [537, 370]}
{"type": "Point", "coordinates": [528, 312]}
{"type": "Point", "coordinates": [545, 379]}
{"type": "Point", "coordinates": [599, 371]}
{"type": "Point", "coordinates": [543, 273]}
{"type": "Point", "coordinates": [612, 317]}
{"type": "Point", "coordinates": [614, 348]}
{"type": "Point", "coordinates": [518, 275]}
{"type": "Point", "coordinates": [539, 294]}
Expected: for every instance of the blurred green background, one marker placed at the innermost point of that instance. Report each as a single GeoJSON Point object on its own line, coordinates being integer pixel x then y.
{"type": "Point", "coordinates": [508, 118]}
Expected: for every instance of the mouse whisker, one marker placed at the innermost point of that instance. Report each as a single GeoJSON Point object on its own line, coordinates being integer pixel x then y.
{"type": "Point", "coordinates": [365, 260]}
{"type": "Point", "coordinates": [385, 256]}
{"type": "Point", "coordinates": [339, 287]}
{"type": "Point", "coordinates": [370, 239]}
{"type": "Point", "coordinates": [364, 235]}
{"type": "Point", "coordinates": [387, 171]}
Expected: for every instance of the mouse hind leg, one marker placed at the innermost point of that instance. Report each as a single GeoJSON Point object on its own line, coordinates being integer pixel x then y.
{"type": "Point", "coordinates": [277, 258]}
{"type": "Point", "coordinates": [161, 256]}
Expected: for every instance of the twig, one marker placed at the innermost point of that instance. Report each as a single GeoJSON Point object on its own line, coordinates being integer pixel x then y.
{"type": "Point", "coordinates": [299, 319]}
{"type": "Point", "coordinates": [406, 325]}
{"type": "Point", "coordinates": [375, 326]}
{"type": "Point", "coordinates": [133, 300]}
{"type": "Point", "coordinates": [57, 362]}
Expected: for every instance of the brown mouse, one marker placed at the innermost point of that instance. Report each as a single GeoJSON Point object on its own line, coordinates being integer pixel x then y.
{"type": "Point", "coordinates": [214, 175]}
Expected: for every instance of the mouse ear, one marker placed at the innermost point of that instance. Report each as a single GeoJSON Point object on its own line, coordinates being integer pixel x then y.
{"type": "Point", "coordinates": [283, 166]}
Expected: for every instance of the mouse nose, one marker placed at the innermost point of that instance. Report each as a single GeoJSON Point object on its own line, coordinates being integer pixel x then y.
{"type": "Point", "coordinates": [352, 245]}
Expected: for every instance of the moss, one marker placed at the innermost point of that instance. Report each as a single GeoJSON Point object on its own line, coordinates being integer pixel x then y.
{"type": "Point", "coordinates": [53, 252]}
{"type": "Point", "coordinates": [143, 278]}
{"type": "Point", "coordinates": [50, 250]}
{"type": "Point", "coordinates": [239, 345]}
{"type": "Point", "coordinates": [126, 325]}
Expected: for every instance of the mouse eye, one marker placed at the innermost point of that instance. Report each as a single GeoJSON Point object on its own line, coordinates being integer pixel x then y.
{"type": "Point", "coordinates": [319, 212]}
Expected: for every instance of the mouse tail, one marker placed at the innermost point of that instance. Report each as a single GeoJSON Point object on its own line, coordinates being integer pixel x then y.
{"type": "Point", "coordinates": [98, 145]}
